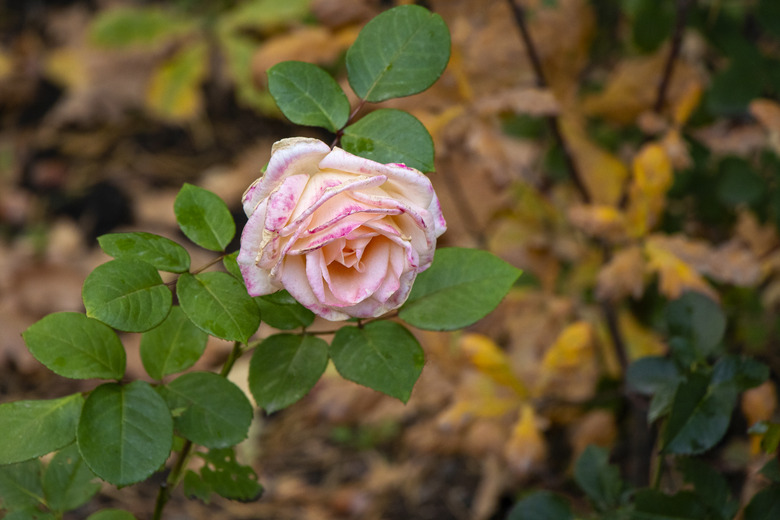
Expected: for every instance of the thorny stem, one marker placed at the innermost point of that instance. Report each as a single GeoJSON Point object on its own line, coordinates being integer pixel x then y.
{"type": "Point", "coordinates": [683, 7]}
{"type": "Point", "coordinates": [177, 472]}
{"type": "Point", "coordinates": [200, 269]}
{"type": "Point", "coordinates": [349, 120]}
{"type": "Point", "coordinates": [541, 81]}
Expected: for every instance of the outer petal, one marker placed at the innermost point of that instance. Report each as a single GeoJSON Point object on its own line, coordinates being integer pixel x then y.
{"type": "Point", "coordinates": [291, 156]}
{"type": "Point", "coordinates": [257, 280]}
{"type": "Point", "coordinates": [293, 277]}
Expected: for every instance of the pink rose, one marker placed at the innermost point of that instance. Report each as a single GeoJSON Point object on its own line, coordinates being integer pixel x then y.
{"type": "Point", "coordinates": [346, 236]}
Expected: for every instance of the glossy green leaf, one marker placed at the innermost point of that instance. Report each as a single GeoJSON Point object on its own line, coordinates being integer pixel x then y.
{"type": "Point", "coordinates": [67, 481]}
{"type": "Point", "coordinates": [173, 346]}
{"type": "Point", "coordinates": [20, 485]}
{"type": "Point", "coordinates": [194, 487]}
{"type": "Point", "coordinates": [225, 476]}
{"type": "Point", "coordinates": [126, 26]}
{"type": "Point", "coordinates": [698, 319]}
{"type": "Point", "coordinates": [382, 355]}
{"type": "Point", "coordinates": [111, 514]}
{"type": "Point", "coordinates": [163, 253]}
{"type": "Point", "coordinates": [661, 403]}
{"type": "Point", "coordinates": [699, 416]}
{"type": "Point", "coordinates": [75, 346]}
{"type": "Point", "coordinates": [281, 311]}
{"type": "Point", "coordinates": [400, 52]}
{"type": "Point", "coordinates": [648, 374]}
{"type": "Point", "coordinates": [128, 295]}
{"type": "Point", "coordinates": [34, 428]}
{"type": "Point", "coordinates": [307, 95]}
{"type": "Point", "coordinates": [215, 412]}
{"type": "Point", "coordinates": [391, 136]}
{"type": "Point", "coordinates": [741, 373]}
{"type": "Point", "coordinates": [204, 218]}
{"type": "Point", "coordinates": [600, 481]}
{"type": "Point", "coordinates": [541, 505]}
{"type": "Point", "coordinates": [461, 287]}
{"type": "Point", "coordinates": [284, 368]}
{"type": "Point", "coordinates": [231, 265]}
{"type": "Point", "coordinates": [219, 304]}
{"type": "Point", "coordinates": [125, 432]}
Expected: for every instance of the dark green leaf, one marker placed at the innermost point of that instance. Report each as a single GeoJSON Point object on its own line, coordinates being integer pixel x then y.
{"type": "Point", "coordinates": [194, 487]}
{"type": "Point", "coordinates": [307, 95]}
{"type": "Point", "coordinates": [461, 287]}
{"type": "Point", "coordinates": [710, 486]}
{"type": "Point", "coordinates": [204, 218]}
{"type": "Point", "coordinates": [401, 52]}
{"type": "Point", "coordinates": [67, 481]}
{"type": "Point", "coordinates": [771, 470]}
{"type": "Point", "coordinates": [125, 433]}
{"type": "Point", "coordinates": [219, 304]}
{"type": "Point", "coordinates": [739, 183]}
{"type": "Point", "coordinates": [391, 136]}
{"type": "Point", "coordinates": [382, 355]}
{"type": "Point", "coordinates": [765, 505]}
{"type": "Point", "coordinates": [741, 373]}
{"type": "Point", "coordinates": [662, 400]}
{"type": "Point", "coordinates": [20, 485]}
{"type": "Point", "coordinates": [648, 374]}
{"type": "Point", "coordinates": [229, 479]}
{"type": "Point", "coordinates": [653, 21]}
{"type": "Point", "coordinates": [600, 481]}
{"type": "Point", "coordinates": [654, 505]}
{"type": "Point", "coordinates": [74, 346]}
{"type": "Point", "coordinates": [284, 368]}
{"type": "Point", "coordinates": [699, 417]}
{"type": "Point", "coordinates": [281, 311]}
{"type": "Point", "coordinates": [29, 514]}
{"type": "Point", "coordinates": [216, 413]}
{"type": "Point", "coordinates": [128, 295]}
{"type": "Point", "coordinates": [163, 253]}
{"type": "Point", "coordinates": [541, 505]}
{"type": "Point", "coordinates": [34, 428]}
{"type": "Point", "coordinates": [173, 346]}
{"type": "Point", "coordinates": [698, 319]}
{"type": "Point", "coordinates": [111, 514]}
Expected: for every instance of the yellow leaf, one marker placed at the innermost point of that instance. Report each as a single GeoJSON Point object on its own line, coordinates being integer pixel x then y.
{"type": "Point", "coordinates": [687, 103]}
{"type": "Point", "coordinates": [603, 174]}
{"type": "Point", "coordinates": [572, 348]}
{"type": "Point", "coordinates": [759, 404]}
{"type": "Point", "coordinates": [599, 221]}
{"type": "Point", "coordinates": [674, 275]}
{"type": "Point", "coordinates": [647, 193]}
{"type": "Point", "coordinates": [526, 449]}
{"type": "Point", "coordinates": [174, 91]}
{"type": "Point", "coordinates": [6, 65]}
{"type": "Point", "coordinates": [639, 341]}
{"type": "Point", "coordinates": [477, 396]}
{"type": "Point", "coordinates": [68, 68]}
{"type": "Point", "coordinates": [489, 359]}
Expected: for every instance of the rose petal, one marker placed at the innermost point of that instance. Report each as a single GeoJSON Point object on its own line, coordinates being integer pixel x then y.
{"type": "Point", "coordinates": [293, 277]}
{"type": "Point", "coordinates": [353, 285]}
{"type": "Point", "coordinates": [257, 280]}
{"type": "Point", "coordinates": [296, 155]}
{"type": "Point", "coordinates": [283, 200]}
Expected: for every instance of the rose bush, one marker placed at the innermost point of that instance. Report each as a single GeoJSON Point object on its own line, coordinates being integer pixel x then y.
{"type": "Point", "coordinates": [346, 236]}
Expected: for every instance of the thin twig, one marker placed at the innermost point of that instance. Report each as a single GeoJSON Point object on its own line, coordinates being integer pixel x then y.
{"type": "Point", "coordinates": [683, 6]}
{"type": "Point", "coordinates": [541, 81]}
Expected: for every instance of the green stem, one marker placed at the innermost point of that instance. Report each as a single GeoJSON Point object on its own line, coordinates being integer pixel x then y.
{"type": "Point", "coordinates": [658, 465]}
{"type": "Point", "coordinates": [177, 473]}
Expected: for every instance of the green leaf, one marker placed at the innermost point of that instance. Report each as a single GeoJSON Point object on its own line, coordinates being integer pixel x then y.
{"type": "Point", "coordinates": [20, 485]}
{"type": "Point", "coordinates": [263, 14]}
{"type": "Point", "coordinates": [653, 21]}
{"type": "Point", "coordinates": [34, 428]}
{"type": "Point", "coordinates": [163, 253]}
{"type": "Point", "coordinates": [391, 136]}
{"type": "Point", "coordinates": [699, 417]}
{"type": "Point", "coordinates": [698, 319]}
{"type": "Point", "coordinates": [74, 346]}
{"type": "Point", "coordinates": [229, 479]}
{"type": "Point", "coordinates": [125, 26]}
{"type": "Point", "coordinates": [204, 218]}
{"type": "Point", "coordinates": [174, 92]}
{"type": "Point", "coordinates": [661, 403]}
{"type": "Point", "coordinates": [67, 481]}
{"type": "Point", "coordinates": [219, 304]}
{"type": "Point", "coordinates": [111, 514]}
{"type": "Point", "coordinates": [541, 505]}
{"type": "Point", "coordinates": [194, 487]}
{"type": "Point", "coordinates": [128, 295]}
{"type": "Point", "coordinates": [765, 505]}
{"type": "Point", "coordinates": [231, 265]}
{"type": "Point", "coordinates": [654, 505]}
{"type": "Point", "coordinates": [600, 481]}
{"type": "Point", "coordinates": [741, 373]}
{"type": "Point", "coordinates": [284, 368]}
{"type": "Point", "coordinates": [173, 346]}
{"type": "Point", "coordinates": [282, 311]}
{"type": "Point", "coordinates": [771, 470]}
{"type": "Point", "coordinates": [307, 95]}
{"type": "Point", "coordinates": [710, 486]}
{"type": "Point", "coordinates": [216, 412]}
{"type": "Point", "coordinates": [382, 355]}
{"type": "Point", "coordinates": [125, 433]}
{"type": "Point", "coordinates": [648, 374]}
{"type": "Point", "coordinates": [739, 183]}
{"type": "Point", "coordinates": [400, 52]}
{"type": "Point", "coordinates": [461, 287]}
{"type": "Point", "coordinates": [29, 514]}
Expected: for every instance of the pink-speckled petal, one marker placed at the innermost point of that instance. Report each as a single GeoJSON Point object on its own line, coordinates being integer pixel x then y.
{"type": "Point", "coordinates": [283, 200]}
{"type": "Point", "coordinates": [296, 155]}
{"type": "Point", "coordinates": [438, 217]}
{"type": "Point", "coordinates": [257, 280]}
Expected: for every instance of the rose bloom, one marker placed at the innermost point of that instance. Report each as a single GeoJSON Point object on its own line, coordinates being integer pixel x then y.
{"type": "Point", "coordinates": [345, 236]}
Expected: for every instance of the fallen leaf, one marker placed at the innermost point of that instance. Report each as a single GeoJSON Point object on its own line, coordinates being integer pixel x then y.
{"type": "Point", "coordinates": [622, 276]}
{"type": "Point", "coordinates": [526, 449]}
{"type": "Point", "coordinates": [572, 349]}
{"type": "Point", "coordinates": [652, 177]}
{"type": "Point", "coordinates": [600, 221]}
{"type": "Point", "coordinates": [767, 112]}
{"type": "Point", "coordinates": [674, 275]}
{"type": "Point", "coordinates": [488, 358]}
